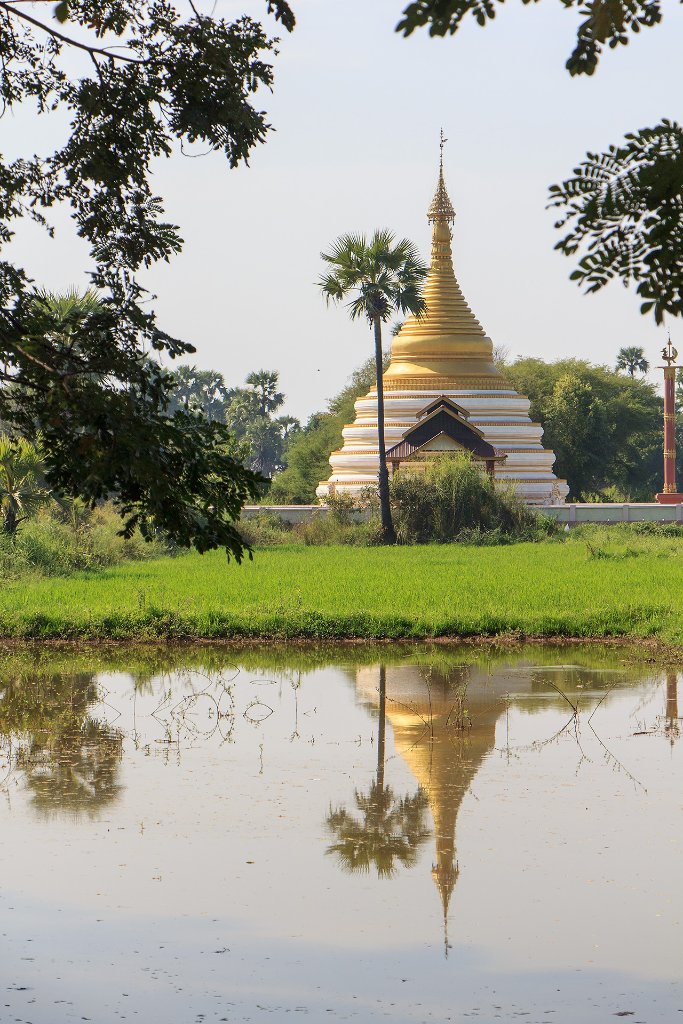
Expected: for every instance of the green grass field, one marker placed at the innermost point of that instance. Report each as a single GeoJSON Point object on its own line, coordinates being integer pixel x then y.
{"type": "Point", "coordinates": [610, 584]}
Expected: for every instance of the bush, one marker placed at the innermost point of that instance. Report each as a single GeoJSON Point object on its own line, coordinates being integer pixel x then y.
{"type": "Point", "coordinates": [454, 501]}
{"type": "Point", "coordinates": [336, 526]}
{"type": "Point", "coordinates": [59, 541]}
{"type": "Point", "coordinates": [265, 529]}
{"type": "Point", "coordinates": [326, 530]}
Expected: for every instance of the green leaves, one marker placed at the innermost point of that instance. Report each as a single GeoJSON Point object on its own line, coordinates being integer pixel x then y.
{"type": "Point", "coordinates": [21, 488]}
{"type": "Point", "coordinates": [381, 276]}
{"type": "Point", "coordinates": [605, 22]}
{"type": "Point", "coordinates": [106, 434]}
{"type": "Point", "coordinates": [632, 358]}
{"type": "Point", "coordinates": [604, 427]}
{"type": "Point", "coordinates": [624, 212]}
{"type": "Point", "coordinates": [159, 76]}
{"type": "Point", "coordinates": [283, 12]}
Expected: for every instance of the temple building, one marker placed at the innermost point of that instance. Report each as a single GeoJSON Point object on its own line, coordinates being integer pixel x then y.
{"type": "Point", "coordinates": [442, 369]}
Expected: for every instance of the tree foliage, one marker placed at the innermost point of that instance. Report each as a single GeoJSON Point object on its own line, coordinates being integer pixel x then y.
{"type": "Point", "coordinates": [249, 416]}
{"type": "Point", "coordinates": [151, 79]}
{"type": "Point", "coordinates": [605, 22]}
{"type": "Point", "coordinates": [22, 490]}
{"type": "Point", "coordinates": [623, 210]}
{"type": "Point", "coordinates": [632, 359]}
{"type": "Point", "coordinates": [376, 277]}
{"type": "Point", "coordinates": [258, 438]}
{"type": "Point", "coordinates": [605, 428]}
{"type": "Point", "coordinates": [199, 391]}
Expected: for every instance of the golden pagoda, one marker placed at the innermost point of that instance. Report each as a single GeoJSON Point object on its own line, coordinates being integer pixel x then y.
{"type": "Point", "coordinates": [445, 353]}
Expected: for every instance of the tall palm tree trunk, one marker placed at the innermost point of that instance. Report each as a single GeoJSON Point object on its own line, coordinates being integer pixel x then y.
{"type": "Point", "coordinates": [382, 731]}
{"type": "Point", "coordinates": [388, 532]}
{"type": "Point", "coordinates": [10, 522]}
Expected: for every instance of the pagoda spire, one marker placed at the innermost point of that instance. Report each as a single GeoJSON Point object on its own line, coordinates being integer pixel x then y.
{"type": "Point", "coordinates": [441, 209]}
{"type": "Point", "coordinates": [446, 345]}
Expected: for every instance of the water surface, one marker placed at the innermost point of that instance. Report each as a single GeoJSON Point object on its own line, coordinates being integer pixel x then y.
{"type": "Point", "coordinates": [415, 834]}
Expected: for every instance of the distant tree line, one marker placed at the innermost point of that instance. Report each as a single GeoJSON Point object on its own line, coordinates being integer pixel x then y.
{"type": "Point", "coordinates": [605, 427]}
{"type": "Point", "coordinates": [604, 424]}
{"type": "Point", "coordinates": [248, 412]}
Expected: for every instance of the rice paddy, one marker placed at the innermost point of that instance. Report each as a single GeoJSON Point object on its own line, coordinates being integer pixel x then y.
{"type": "Point", "coordinates": [606, 583]}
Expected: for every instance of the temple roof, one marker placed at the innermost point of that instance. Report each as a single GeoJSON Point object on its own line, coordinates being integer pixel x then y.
{"type": "Point", "coordinates": [443, 402]}
{"type": "Point", "coordinates": [443, 419]}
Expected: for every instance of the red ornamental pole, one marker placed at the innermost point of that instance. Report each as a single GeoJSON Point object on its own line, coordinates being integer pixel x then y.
{"type": "Point", "coordinates": [670, 494]}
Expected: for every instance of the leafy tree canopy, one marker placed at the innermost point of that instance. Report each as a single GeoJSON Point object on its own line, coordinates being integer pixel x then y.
{"type": "Point", "coordinates": [21, 486]}
{"type": "Point", "coordinates": [605, 428]}
{"type": "Point", "coordinates": [258, 437]}
{"type": "Point", "coordinates": [307, 455]}
{"type": "Point", "coordinates": [632, 359]}
{"type": "Point", "coordinates": [202, 391]}
{"type": "Point", "coordinates": [151, 78]}
{"type": "Point", "coordinates": [604, 22]}
{"type": "Point", "coordinates": [623, 210]}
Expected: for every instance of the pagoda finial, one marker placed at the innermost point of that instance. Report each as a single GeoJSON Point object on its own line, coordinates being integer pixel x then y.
{"type": "Point", "coordinates": [441, 209]}
{"type": "Point", "coordinates": [669, 353]}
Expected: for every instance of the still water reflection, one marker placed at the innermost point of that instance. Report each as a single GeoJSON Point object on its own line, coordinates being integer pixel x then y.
{"type": "Point", "coordinates": [411, 834]}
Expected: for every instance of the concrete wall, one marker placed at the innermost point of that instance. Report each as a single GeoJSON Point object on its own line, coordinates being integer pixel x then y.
{"type": "Point", "coordinates": [612, 513]}
{"type": "Point", "coordinates": [571, 514]}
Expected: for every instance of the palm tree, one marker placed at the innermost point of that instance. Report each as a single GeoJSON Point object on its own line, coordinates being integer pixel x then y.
{"type": "Point", "coordinates": [632, 358]}
{"type": "Point", "coordinates": [21, 490]}
{"type": "Point", "coordinates": [67, 321]}
{"type": "Point", "coordinates": [198, 391]}
{"type": "Point", "coordinates": [264, 384]}
{"type": "Point", "coordinates": [381, 277]}
{"type": "Point", "coordinates": [389, 830]}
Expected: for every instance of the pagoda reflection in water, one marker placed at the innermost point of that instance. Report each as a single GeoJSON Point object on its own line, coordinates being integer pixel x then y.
{"type": "Point", "coordinates": [444, 726]}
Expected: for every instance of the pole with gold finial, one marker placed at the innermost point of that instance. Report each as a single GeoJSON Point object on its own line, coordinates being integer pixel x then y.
{"type": "Point", "coordinates": [670, 494]}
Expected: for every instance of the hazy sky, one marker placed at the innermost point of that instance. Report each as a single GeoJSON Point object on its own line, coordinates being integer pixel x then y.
{"type": "Point", "coordinates": [357, 111]}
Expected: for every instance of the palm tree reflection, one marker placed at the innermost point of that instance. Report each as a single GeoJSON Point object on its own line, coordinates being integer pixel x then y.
{"type": "Point", "coordinates": [389, 830]}
{"type": "Point", "coordinates": [673, 722]}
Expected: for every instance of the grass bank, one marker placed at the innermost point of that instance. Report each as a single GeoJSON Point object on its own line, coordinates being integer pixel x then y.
{"type": "Point", "coordinates": [606, 583]}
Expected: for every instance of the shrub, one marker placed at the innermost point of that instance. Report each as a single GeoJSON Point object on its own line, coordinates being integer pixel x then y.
{"type": "Point", "coordinates": [327, 530]}
{"type": "Point", "coordinates": [454, 501]}
{"type": "Point", "coordinates": [60, 541]}
{"type": "Point", "coordinates": [265, 529]}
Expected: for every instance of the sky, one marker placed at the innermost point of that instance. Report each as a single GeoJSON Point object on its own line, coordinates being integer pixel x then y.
{"type": "Point", "coordinates": [357, 111]}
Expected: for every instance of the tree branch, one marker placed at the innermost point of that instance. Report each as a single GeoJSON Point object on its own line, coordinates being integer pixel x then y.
{"type": "Point", "coordinates": [92, 50]}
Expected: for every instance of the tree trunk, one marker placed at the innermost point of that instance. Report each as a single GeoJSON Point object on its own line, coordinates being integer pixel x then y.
{"type": "Point", "coordinates": [10, 521]}
{"type": "Point", "coordinates": [381, 734]}
{"type": "Point", "coordinates": [388, 533]}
